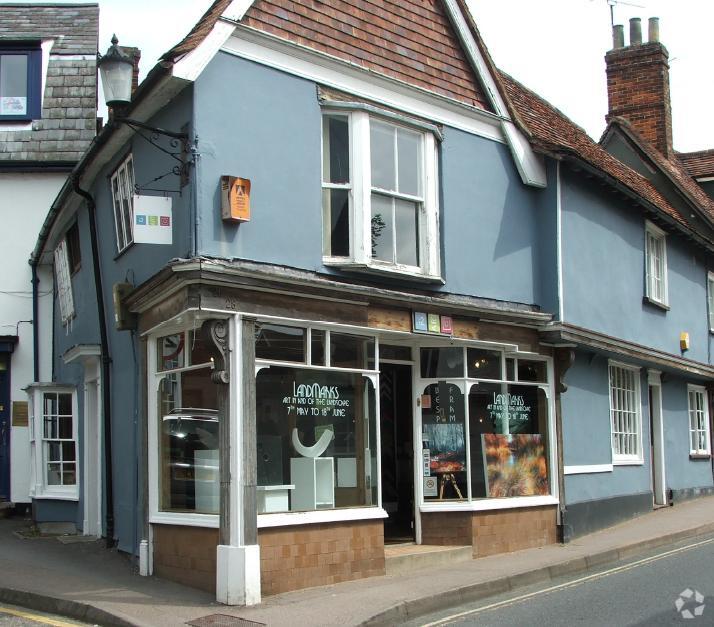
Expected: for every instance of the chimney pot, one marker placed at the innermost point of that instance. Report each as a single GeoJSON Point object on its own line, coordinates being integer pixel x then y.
{"type": "Point", "coordinates": [635, 31]}
{"type": "Point", "coordinates": [618, 36]}
{"type": "Point", "coordinates": [653, 30]}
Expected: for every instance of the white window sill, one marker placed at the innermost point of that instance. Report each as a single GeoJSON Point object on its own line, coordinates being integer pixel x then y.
{"type": "Point", "coordinates": [184, 519]}
{"type": "Point", "coordinates": [489, 504]}
{"type": "Point", "coordinates": [320, 516]}
{"type": "Point", "coordinates": [414, 274]}
{"type": "Point", "coordinates": [655, 303]}
{"type": "Point", "coordinates": [699, 455]}
{"type": "Point", "coordinates": [56, 495]}
{"type": "Point", "coordinates": [587, 469]}
{"type": "Point", "coordinates": [628, 461]}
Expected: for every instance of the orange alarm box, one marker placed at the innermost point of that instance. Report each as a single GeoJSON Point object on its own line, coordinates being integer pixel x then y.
{"type": "Point", "coordinates": [235, 199]}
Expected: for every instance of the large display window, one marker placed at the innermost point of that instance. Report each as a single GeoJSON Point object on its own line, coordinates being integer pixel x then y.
{"type": "Point", "coordinates": [316, 422]}
{"type": "Point", "coordinates": [485, 423]}
{"type": "Point", "coordinates": [188, 426]}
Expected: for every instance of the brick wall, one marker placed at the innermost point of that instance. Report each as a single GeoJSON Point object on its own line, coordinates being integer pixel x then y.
{"type": "Point", "coordinates": [446, 528]}
{"type": "Point", "coordinates": [506, 530]}
{"type": "Point", "coordinates": [292, 558]}
{"type": "Point", "coordinates": [638, 90]}
{"type": "Point", "coordinates": [186, 555]}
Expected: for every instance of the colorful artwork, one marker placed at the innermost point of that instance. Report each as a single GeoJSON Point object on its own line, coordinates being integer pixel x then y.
{"type": "Point", "coordinates": [515, 465]}
{"type": "Point", "coordinates": [447, 447]}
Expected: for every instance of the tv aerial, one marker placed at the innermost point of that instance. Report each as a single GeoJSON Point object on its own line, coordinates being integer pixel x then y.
{"type": "Point", "coordinates": [613, 3]}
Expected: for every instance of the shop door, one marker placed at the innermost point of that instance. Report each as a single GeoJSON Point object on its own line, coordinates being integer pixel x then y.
{"type": "Point", "coordinates": [4, 427]}
{"type": "Point", "coordinates": [397, 451]}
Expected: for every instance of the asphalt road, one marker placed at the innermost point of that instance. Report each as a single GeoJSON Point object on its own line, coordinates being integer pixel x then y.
{"type": "Point", "coordinates": [14, 616]}
{"type": "Point", "coordinates": [662, 588]}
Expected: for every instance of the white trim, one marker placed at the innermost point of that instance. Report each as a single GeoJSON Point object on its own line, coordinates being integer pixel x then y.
{"type": "Point", "coordinates": [587, 469]}
{"type": "Point", "coordinates": [81, 352]}
{"type": "Point", "coordinates": [627, 459]}
{"type": "Point", "coordinates": [704, 179]}
{"type": "Point", "coordinates": [659, 477]}
{"type": "Point", "coordinates": [490, 504]}
{"type": "Point", "coordinates": [332, 72]}
{"type": "Point", "coordinates": [184, 519]}
{"type": "Point", "coordinates": [237, 9]}
{"type": "Point", "coordinates": [653, 232]}
{"type": "Point", "coordinates": [320, 516]}
{"type": "Point", "coordinates": [699, 389]}
{"type": "Point", "coordinates": [628, 462]}
{"type": "Point", "coordinates": [530, 166]}
{"type": "Point", "coordinates": [92, 457]}
{"type": "Point", "coordinates": [710, 300]}
{"type": "Point", "coordinates": [190, 66]}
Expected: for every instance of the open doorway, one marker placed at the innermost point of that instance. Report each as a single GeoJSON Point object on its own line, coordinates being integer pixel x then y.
{"type": "Point", "coordinates": [396, 430]}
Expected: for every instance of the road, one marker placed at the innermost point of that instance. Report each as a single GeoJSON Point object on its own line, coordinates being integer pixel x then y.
{"type": "Point", "coordinates": [14, 616]}
{"type": "Point", "coordinates": [661, 588]}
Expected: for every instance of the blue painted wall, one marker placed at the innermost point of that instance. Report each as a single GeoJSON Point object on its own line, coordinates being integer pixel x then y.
{"type": "Point", "coordinates": [497, 239]}
{"type": "Point", "coordinates": [680, 471]}
{"type": "Point", "coordinates": [603, 274]}
{"type": "Point", "coordinates": [587, 437]}
{"type": "Point", "coordinates": [54, 511]}
{"type": "Point", "coordinates": [136, 264]}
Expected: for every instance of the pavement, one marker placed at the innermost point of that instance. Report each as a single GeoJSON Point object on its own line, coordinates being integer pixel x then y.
{"type": "Point", "coordinates": [85, 581]}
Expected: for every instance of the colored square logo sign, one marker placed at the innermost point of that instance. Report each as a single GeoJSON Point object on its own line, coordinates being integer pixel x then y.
{"type": "Point", "coordinates": [153, 220]}
{"type": "Point", "coordinates": [140, 219]}
{"type": "Point", "coordinates": [165, 221]}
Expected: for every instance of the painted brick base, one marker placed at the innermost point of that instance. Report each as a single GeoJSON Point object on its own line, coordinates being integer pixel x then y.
{"type": "Point", "coordinates": [492, 532]}
{"type": "Point", "coordinates": [292, 558]}
{"type": "Point", "coordinates": [186, 555]}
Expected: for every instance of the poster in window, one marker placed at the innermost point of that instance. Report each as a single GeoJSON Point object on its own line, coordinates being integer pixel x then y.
{"type": "Point", "coordinates": [443, 428]}
{"type": "Point", "coordinates": [13, 105]}
{"type": "Point", "coordinates": [516, 465]}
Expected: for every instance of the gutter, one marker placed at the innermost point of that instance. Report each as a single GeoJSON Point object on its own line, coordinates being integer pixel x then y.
{"type": "Point", "coordinates": [106, 359]}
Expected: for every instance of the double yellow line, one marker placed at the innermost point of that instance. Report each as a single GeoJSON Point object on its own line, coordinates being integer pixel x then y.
{"type": "Point", "coordinates": [45, 620]}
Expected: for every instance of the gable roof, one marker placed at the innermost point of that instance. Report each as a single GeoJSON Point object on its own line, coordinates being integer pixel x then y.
{"type": "Point", "coordinates": [698, 164]}
{"type": "Point", "coordinates": [69, 104]}
{"type": "Point", "coordinates": [672, 168]}
{"type": "Point", "coordinates": [553, 133]}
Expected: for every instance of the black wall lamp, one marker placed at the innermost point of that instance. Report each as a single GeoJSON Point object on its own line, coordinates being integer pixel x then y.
{"type": "Point", "coordinates": [117, 69]}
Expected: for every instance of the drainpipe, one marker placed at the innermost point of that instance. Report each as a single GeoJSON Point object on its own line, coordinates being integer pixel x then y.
{"type": "Point", "coordinates": [35, 323]}
{"type": "Point", "coordinates": [106, 359]}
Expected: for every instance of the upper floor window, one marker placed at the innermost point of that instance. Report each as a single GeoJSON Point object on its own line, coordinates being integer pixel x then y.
{"type": "Point", "coordinates": [656, 264]}
{"type": "Point", "coordinates": [698, 421]}
{"type": "Point", "coordinates": [122, 183]}
{"type": "Point", "coordinates": [64, 282]}
{"type": "Point", "coordinates": [20, 81]}
{"type": "Point", "coordinates": [625, 414]}
{"type": "Point", "coordinates": [74, 254]}
{"type": "Point", "coordinates": [379, 195]}
{"type": "Point", "coordinates": [710, 299]}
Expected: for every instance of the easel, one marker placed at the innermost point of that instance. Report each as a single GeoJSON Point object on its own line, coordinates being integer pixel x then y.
{"type": "Point", "coordinates": [449, 476]}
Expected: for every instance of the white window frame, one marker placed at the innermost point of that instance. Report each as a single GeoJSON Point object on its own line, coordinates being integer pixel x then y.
{"type": "Point", "coordinates": [710, 299]}
{"type": "Point", "coordinates": [38, 448]}
{"type": "Point", "coordinates": [698, 416]}
{"type": "Point", "coordinates": [656, 264]}
{"type": "Point", "coordinates": [64, 282]}
{"type": "Point", "coordinates": [123, 201]}
{"type": "Point", "coordinates": [360, 190]}
{"type": "Point", "coordinates": [628, 423]}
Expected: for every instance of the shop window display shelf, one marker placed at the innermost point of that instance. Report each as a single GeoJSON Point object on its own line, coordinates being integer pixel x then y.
{"type": "Point", "coordinates": [314, 481]}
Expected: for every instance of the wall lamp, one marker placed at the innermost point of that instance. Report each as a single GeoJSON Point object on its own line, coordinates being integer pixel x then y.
{"type": "Point", "coordinates": [117, 69]}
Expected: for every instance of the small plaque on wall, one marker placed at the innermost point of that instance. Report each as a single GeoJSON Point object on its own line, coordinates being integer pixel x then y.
{"type": "Point", "coordinates": [235, 199]}
{"type": "Point", "coordinates": [20, 416]}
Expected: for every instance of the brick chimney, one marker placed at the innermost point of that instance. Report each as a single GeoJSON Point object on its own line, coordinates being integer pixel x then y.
{"type": "Point", "coordinates": [135, 55]}
{"type": "Point", "coordinates": [638, 84]}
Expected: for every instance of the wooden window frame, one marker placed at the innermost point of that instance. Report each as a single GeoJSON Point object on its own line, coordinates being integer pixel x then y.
{"type": "Point", "coordinates": [656, 265]}
{"type": "Point", "coordinates": [625, 414]}
{"type": "Point", "coordinates": [698, 416]}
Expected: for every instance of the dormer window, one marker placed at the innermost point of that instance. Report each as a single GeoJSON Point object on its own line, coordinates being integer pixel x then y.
{"type": "Point", "coordinates": [655, 265]}
{"type": "Point", "coordinates": [379, 193]}
{"type": "Point", "coordinates": [20, 82]}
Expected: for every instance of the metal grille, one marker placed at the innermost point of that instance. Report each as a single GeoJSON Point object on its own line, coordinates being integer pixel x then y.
{"type": "Point", "coordinates": [223, 620]}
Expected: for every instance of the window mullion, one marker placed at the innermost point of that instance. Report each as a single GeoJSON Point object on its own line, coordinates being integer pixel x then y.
{"type": "Point", "coordinates": [429, 257]}
{"type": "Point", "coordinates": [361, 187]}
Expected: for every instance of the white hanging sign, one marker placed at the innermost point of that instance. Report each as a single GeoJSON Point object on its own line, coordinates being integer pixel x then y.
{"type": "Point", "coordinates": [153, 220]}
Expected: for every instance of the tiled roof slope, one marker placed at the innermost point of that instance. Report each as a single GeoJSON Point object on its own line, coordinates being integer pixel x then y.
{"type": "Point", "coordinates": [552, 132]}
{"type": "Point", "coordinates": [409, 40]}
{"type": "Point", "coordinates": [72, 26]}
{"type": "Point", "coordinates": [69, 104]}
{"type": "Point", "coordinates": [700, 163]}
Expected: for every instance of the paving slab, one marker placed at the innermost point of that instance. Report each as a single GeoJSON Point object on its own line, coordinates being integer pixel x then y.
{"type": "Point", "coordinates": [89, 582]}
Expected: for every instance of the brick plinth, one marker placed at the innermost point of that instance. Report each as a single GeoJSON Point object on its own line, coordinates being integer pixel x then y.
{"type": "Point", "coordinates": [492, 532]}
{"type": "Point", "coordinates": [292, 558]}
{"type": "Point", "coordinates": [446, 528]}
{"type": "Point", "coordinates": [186, 555]}
{"type": "Point", "coordinates": [506, 530]}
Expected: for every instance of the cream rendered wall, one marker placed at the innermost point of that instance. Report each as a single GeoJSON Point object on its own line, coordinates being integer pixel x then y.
{"type": "Point", "coordinates": [25, 199]}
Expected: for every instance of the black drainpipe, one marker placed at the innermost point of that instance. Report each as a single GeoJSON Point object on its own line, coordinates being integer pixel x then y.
{"type": "Point", "coordinates": [106, 359]}
{"type": "Point", "coordinates": [35, 324]}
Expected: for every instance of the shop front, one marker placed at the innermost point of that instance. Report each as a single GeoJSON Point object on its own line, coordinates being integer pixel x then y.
{"type": "Point", "coordinates": [364, 433]}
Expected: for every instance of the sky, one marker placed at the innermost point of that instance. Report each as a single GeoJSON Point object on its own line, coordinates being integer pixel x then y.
{"type": "Point", "coordinates": [555, 47]}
